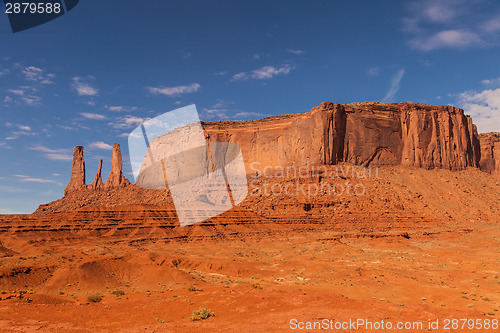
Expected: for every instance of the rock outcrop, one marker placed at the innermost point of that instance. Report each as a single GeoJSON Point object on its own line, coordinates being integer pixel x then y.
{"type": "Point", "coordinates": [77, 180]}
{"type": "Point", "coordinates": [116, 178]}
{"type": "Point", "coordinates": [490, 153]}
{"type": "Point", "coordinates": [97, 184]}
{"type": "Point", "coordinates": [365, 134]}
{"type": "Point", "coordinates": [410, 134]}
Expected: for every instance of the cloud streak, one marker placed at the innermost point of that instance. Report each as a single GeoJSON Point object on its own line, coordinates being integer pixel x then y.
{"type": "Point", "coordinates": [446, 39]}
{"type": "Point", "coordinates": [93, 116]}
{"type": "Point", "coordinates": [174, 91]}
{"type": "Point", "coordinates": [37, 75]}
{"type": "Point", "coordinates": [395, 86]}
{"type": "Point", "coordinates": [264, 73]}
{"type": "Point", "coordinates": [83, 88]}
{"type": "Point", "coordinates": [100, 145]}
{"type": "Point", "coordinates": [448, 24]}
{"type": "Point", "coordinates": [24, 178]}
{"type": "Point", "coordinates": [53, 154]}
{"type": "Point", "coordinates": [127, 121]}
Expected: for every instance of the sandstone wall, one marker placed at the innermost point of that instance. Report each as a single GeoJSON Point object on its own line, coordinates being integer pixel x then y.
{"type": "Point", "coordinates": [360, 133]}
{"type": "Point", "coordinates": [490, 152]}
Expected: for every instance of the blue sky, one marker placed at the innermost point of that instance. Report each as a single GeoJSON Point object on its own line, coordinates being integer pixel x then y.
{"type": "Point", "coordinates": [91, 76]}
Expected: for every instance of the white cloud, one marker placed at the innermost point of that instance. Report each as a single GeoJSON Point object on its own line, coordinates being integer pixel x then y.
{"type": "Point", "coordinates": [295, 51]}
{"type": "Point", "coordinates": [59, 157]}
{"type": "Point", "coordinates": [440, 10]}
{"type": "Point", "coordinates": [221, 73]}
{"type": "Point", "coordinates": [23, 131]}
{"type": "Point", "coordinates": [264, 73]}
{"type": "Point", "coordinates": [24, 127]}
{"type": "Point", "coordinates": [53, 154]}
{"type": "Point", "coordinates": [446, 39]}
{"type": "Point", "coordinates": [483, 107]}
{"type": "Point", "coordinates": [218, 110]}
{"type": "Point", "coordinates": [395, 85]}
{"type": "Point", "coordinates": [24, 178]}
{"type": "Point", "coordinates": [491, 81]}
{"type": "Point", "coordinates": [4, 145]}
{"type": "Point", "coordinates": [128, 121]}
{"type": "Point", "coordinates": [21, 95]}
{"type": "Point", "coordinates": [172, 91]}
{"type": "Point", "coordinates": [248, 114]}
{"type": "Point", "coordinates": [31, 100]}
{"type": "Point", "coordinates": [4, 72]}
{"type": "Point", "coordinates": [18, 92]}
{"type": "Point", "coordinates": [492, 25]}
{"type": "Point", "coordinates": [36, 74]}
{"type": "Point", "coordinates": [93, 116]}
{"type": "Point", "coordinates": [121, 108]}
{"type": "Point", "coordinates": [438, 24]}
{"type": "Point", "coordinates": [100, 145]}
{"type": "Point", "coordinates": [83, 88]}
{"type": "Point", "coordinates": [256, 56]}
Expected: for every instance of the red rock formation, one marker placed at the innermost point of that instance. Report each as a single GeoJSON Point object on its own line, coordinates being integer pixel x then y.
{"type": "Point", "coordinates": [97, 183]}
{"type": "Point", "coordinates": [410, 134]}
{"type": "Point", "coordinates": [360, 133]}
{"type": "Point", "coordinates": [116, 177]}
{"type": "Point", "coordinates": [490, 152]}
{"type": "Point", "coordinates": [77, 171]}
{"type": "Point", "coordinates": [367, 134]}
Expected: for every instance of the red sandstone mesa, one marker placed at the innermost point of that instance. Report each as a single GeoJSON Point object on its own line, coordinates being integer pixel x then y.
{"type": "Point", "coordinates": [365, 134]}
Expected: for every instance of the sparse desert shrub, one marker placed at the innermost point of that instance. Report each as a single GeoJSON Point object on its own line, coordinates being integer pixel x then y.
{"type": "Point", "coordinates": [193, 288]}
{"type": "Point", "coordinates": [256, 285]}
{"type": "Point", "coordinates": [118, 292]}
{"type": "Point", "coordinates": [201, 314]}
{"type": "Point", "coordinates": [94, 298]}
{"type": "Point", "coordinates": [158, 319]}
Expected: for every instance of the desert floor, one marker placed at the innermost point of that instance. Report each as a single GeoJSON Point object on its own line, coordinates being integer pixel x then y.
{"type": "Point", "coordinates": [259, 285]}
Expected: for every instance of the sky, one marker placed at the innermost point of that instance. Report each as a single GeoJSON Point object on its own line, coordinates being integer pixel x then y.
{"type": "Point", "coordinates": [94, 74]}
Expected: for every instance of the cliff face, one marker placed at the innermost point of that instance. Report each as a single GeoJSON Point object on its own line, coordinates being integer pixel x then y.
{"type": "Point", "coordinates": [490, 152]}
{"type": "Point", "coordinates": [410, 134]}
{"type": "Point", "coordinates": [366, 134]}
{"type": "Point", "coordinates": [360, 133]}
{"type": "Point", "coordinates": [115, 179]}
